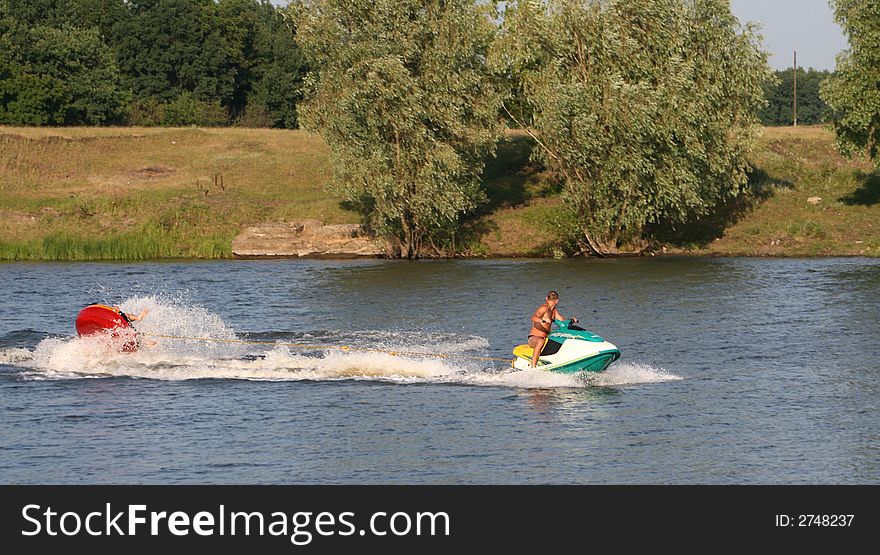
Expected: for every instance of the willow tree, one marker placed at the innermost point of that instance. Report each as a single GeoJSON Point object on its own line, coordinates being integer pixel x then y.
{"type": "Point", "coordinates": [853, 91]}
{"type": "Point", "coordinates": [646, 108]}
{"type": "Point", "coordinates": [401, 94]}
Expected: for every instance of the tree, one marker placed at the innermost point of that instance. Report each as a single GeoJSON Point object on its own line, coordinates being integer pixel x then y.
{"type": "Point", "coordinates": [240, 53]}
{"type": "Point", "coordinates": [55, 67]}
{"type": "Point", "coordinates": [182, 58]}
{"type": "Point", "coordinates": [60, 76]}
{"type": "Point", "coordinates": [852, 92]}
{"type": "Point", "coordinates": [645, 107]}
{"type": "Point", "coordinates": [186, 110]}
{"type": "Point", "coordinates": [811, 109]}
{"type": "Point", "coordinates": [401, 93]}
{"type": "Point", "coordinates": [279, 72]}
{"type": "Point", "coordinates": [168, 47]}
{"type": "Point", "coordinates": [271, 67]}
{"type": "Point", "coordinates": [105, 15]}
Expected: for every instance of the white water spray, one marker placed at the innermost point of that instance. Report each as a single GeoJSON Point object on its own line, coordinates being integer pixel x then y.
{"type": "Point", "coordinates": [226, 358]}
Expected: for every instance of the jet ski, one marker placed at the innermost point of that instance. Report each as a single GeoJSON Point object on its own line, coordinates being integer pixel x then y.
{"type": "Point", "coordinates": [569, 349]}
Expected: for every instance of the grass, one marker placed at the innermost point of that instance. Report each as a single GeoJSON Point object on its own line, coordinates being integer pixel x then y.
{"type": "Point", "coordinates": [788, 167]}
{"type": "Point", "coordinates": [139, 193]}
{"type": "Point", "coordinates": [791, 166]}
{"type": "Point", "coordinates": [521, 217]}
{"type": "Point", "coordinates": [147, 193]}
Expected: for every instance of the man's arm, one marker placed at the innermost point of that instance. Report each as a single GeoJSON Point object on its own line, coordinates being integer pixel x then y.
{"type": "Point", "coordinates": [541, 319]}
{"type": "Point", "coordinates": [563, 318]}
{"type": "Point", "coordinates": [140, 316]}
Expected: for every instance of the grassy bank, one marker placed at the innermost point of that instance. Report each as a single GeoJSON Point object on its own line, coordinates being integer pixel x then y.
{"type": "Point", "coordinates": [808, 201]}
{"type": "Point", "coordinates": [138, 193]}
{"type": "Point", "coordinates": [143, 193]}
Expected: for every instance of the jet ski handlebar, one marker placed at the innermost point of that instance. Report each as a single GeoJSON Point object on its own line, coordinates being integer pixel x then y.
{"type": "Point", "coordinates": [569, 324]}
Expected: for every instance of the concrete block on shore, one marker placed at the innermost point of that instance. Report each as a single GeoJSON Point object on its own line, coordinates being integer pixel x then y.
{"type": "Point", "coordinates": [306, 239]}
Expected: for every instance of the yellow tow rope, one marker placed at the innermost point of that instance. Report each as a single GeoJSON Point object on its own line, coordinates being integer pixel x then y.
{"type": "Point", "coordinates": [323, 347]}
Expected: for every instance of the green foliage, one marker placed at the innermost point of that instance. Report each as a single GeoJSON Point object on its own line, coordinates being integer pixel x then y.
{"type": "Point", "coordinates": [101, 14]}
{"type": "Point", "coordinates": [74, 61]}
{"type": "Point", "coordinates": [146, 113]}
{"type": "Point", "coordinates": [645, 107]}
{"type": "Point", "coordinates": [240, 53]}
{"type": "Point", "coordinates": [168, 47]}
{"type": "Point", "coordinates": [106, 15]}
{"type": "Point", "coordinates": [811, 109]}
{"type": "Point", "coordinates": [269, 78]}
{"type": "Point", "coordinates": [60, 76]}
{"type": "Point", "coordinates": [148, 242]}
{"type": "Point", "coordinates": [186, 110]}
{"type": "Point", "coordinates": [279, 89]}
{"type": "Point", "coordinates": [401, 93]}
{"type": "Point", "coordinates": [852, 92]}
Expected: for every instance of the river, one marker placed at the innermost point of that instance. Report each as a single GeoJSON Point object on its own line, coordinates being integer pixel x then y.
{"type": "Point", "coordinates": [733, 371]}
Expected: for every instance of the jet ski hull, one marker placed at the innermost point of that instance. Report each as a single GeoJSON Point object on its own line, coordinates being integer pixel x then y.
{"type": "Point", "coordinates": [593, 363]}
{"type": "Point", "coordinates": [569, 350]}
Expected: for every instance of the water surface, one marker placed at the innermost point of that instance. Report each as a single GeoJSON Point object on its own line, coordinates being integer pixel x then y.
{"type": "Point", "coordinates": [733, 371]}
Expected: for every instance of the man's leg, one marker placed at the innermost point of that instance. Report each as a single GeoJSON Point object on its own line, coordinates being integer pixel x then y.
{"type": "Point", "coordinates": [536, 343]}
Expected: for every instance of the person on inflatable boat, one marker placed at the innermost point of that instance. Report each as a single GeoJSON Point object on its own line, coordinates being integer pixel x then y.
{"type": "Point", "coordinates": [131, 318]}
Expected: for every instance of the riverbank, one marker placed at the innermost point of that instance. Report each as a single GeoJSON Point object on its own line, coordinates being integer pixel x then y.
{"type": "Point", "coordinates": [806, 200]}
{"type": "Point", "coordinates": [147, 193]}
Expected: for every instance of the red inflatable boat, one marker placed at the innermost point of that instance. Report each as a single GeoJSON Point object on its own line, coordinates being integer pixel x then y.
{"type": "Point", "coordinates": [98, 319]}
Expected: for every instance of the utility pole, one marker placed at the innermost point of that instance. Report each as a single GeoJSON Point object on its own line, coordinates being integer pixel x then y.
{"type": "Point", "coordinates": [795, 88]}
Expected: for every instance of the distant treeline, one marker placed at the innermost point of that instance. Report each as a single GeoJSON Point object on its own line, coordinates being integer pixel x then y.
{"type": "Point", "coordinates": [203, 62]}
{"type": "Point", "coordinates": [148, 62]}
{"type": "Point", "coordinates": [811, 109]}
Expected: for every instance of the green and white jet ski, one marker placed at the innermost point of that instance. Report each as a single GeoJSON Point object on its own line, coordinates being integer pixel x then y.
{"type": "Point", "coordinates": [569, 349]}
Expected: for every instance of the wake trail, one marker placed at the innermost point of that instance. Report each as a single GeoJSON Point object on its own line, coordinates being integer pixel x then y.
{"type": "Point", "coordinates": [56, 358]}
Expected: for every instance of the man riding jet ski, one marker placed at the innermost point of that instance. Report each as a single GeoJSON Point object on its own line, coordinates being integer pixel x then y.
{"type": "Point", "coordinates": [569, 349]}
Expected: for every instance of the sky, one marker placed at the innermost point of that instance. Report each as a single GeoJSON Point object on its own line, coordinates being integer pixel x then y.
{"type": "Point", "coordinates": [807, 26]}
